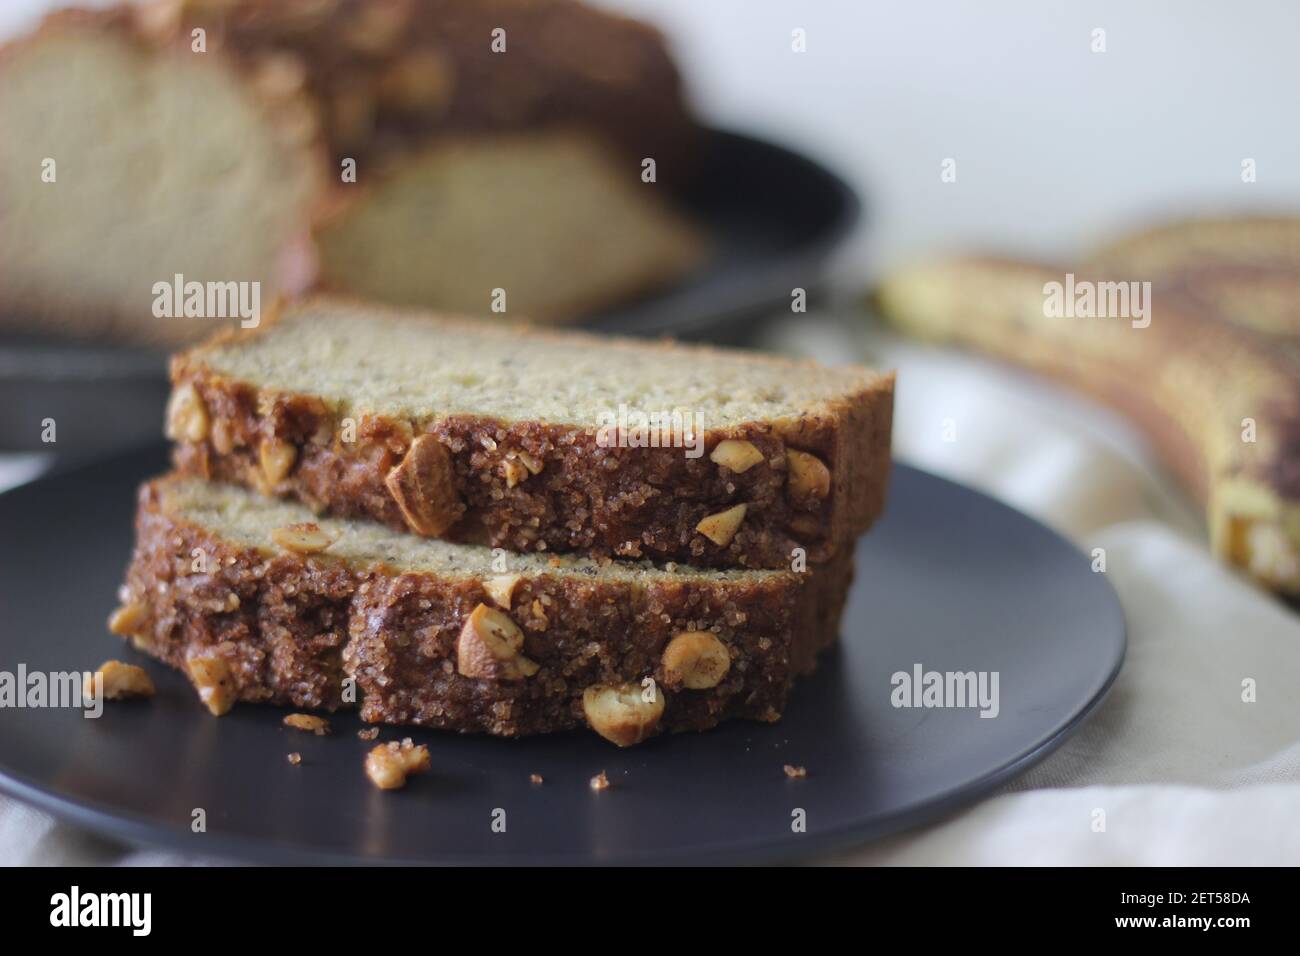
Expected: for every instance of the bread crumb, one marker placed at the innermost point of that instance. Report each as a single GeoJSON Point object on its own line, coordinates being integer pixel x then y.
{"type": "Point", "coordinates": [370, 733]}
{"type": "Point", "coordinates": [388, 765]}
{"type": "Point", "coordinates": [118, 681]}
{"type": "Point", "coordinates": [295, 758]}
{"type": "Point", "coordinates": [308, 724]}
{"type": "Point", "coordinates": [536, 780]}
{"type": "Point", "coordinates": [795, 773]}
{"type": "Point", "coordinates": [600, 781]}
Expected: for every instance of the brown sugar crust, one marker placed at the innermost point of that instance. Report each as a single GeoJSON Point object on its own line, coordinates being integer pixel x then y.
{"type": "Point", "coordinates": [601, 501]}
{"type": "Point", "coordinates": [289, 628]}
{"type": "Point", "coordinates": [390, 75]}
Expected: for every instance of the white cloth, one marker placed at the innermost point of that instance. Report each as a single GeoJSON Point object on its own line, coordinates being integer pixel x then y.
{"type": "Point", "coordinates": [1184, 770]}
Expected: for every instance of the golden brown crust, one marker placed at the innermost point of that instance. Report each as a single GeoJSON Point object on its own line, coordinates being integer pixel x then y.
{"type": "Point", "coordinates": [603, 501]}
{"type": "Point", "coordinates": [290, 628]}
{"type": "Point", "coordinates": [390, 75]}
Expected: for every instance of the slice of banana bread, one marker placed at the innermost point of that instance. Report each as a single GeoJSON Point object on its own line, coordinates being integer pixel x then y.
{"type": "Point", "coordinates": [258, 600]}
{"type": "Point", "coordinates": [537, 440]}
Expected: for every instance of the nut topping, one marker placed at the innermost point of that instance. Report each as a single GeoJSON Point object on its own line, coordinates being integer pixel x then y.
{"type": "Point", "coordinates": [737, 454]}
{"type": "Point", "coordinates": [489, 647]}
{"type": "Point", "coordinates": [308, 723]}
{"type": "Point", "coordinates": [215, 683]}
{"type": "Point", "coordinates": [128, 619]}
{"type": "Point", "coordinates": [223, 441]}
{"type": "Point", "coordinates": [515, 471]}
{"type": "Point", "coordinates": [720, 528]}
{"type": "Point", "coordinates": [621, 714]}
{"type": "Point", "coordinates": [531, 462]}
{"type": "Point", "coordinates": [696, 660]}
{"type": "Point", "coordinates": [388, 765]}
{"type": "Point", "coordinates": [119, 681]}
{"type": "Point", "coordinates": [187, 416]}
{"type": "Point", "coordinates": [809, 476]}
{"type": "Point", "coordinates": [424, 488]}
{"type": "Point", "coordinates": [277, 458]}
{"type": "Point", "coordinates": [305, 538]}
{"type": "Point", "coordinates": [501, 589]}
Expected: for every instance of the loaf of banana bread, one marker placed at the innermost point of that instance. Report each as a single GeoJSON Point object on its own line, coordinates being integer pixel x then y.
{"type": "Point", "coordinates": [259, 600]}
{"type": "Point", "coordinates": [451, 153]}
{"type": "Point", "coordinates": [538, 440]}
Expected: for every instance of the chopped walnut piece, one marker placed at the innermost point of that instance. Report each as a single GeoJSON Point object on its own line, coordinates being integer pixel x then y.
{"type": "Point", "coordinates": [120, 681]}
{"type": "Point", "coordinates": [531, 462]}
{"type": "Point", "coordinates": [424, 487]}
{"type": "Point", "coordinates": [515, 471]}
{"type": "Point", "coordinates": [223, 441]}
{"type": "Point", "coordinates": [187, 416]}
{"type": "Point", "coordinates": [696, 660]}
{"type": "Point", "coordinates": [501, 589]}
{"type": "Point", "coordinates": [736, 454]}
{"type": "Point", "coordinates": [308, 723]}
{"type": "Point", "coordinates": [809, 476]}
{"type": "Point", "coordinates": [304, 538]}
{"type": "Point", "coordinates": [215, 683]}
{"type": "Point", "coordinates": [536, 779]}
{"type": "Point", "coordinates": [276, 458]}
{"type": "Point", "coordinates": [720, 528]}
{"type": "Point", "coordinates": [795, 773]}
{"type": "Point", "coordinates": [621, 713]}
{"type": "Point", "coordinates": [388, 765]}
{"type": "Point", "coordinates": [128, 619]}
{"type": "Point", "coordinates": [600, 782]}
{"type": "Point", "coordinates": [489, 647]}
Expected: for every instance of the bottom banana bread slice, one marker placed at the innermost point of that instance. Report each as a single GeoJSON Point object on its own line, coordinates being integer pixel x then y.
{"type": "Point", "coordinates": [260, 600]}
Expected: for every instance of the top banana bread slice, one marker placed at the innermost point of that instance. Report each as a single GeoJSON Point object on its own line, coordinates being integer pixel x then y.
{"type": "Point", "coordinates": [539, 440]}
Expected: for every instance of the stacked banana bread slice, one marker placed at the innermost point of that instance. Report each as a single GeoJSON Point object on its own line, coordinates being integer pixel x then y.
{"type": "Point", "coordinates": [484, 528]}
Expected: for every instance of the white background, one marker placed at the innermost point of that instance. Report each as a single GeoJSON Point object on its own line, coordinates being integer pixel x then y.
{"type": "Point", "coordinates": [1055, 145]}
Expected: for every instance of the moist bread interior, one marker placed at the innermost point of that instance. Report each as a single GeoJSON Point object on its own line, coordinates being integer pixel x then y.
{"type": "Point", "coordinates": [380, 361]}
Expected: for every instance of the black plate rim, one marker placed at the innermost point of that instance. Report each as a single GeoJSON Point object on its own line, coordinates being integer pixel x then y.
{"type": "Point", "coordinates": [143, 833]}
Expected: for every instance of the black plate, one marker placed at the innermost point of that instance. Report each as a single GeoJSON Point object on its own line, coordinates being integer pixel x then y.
{"type": "Point", "coordinates": [949, 579]}
{"type": "Point", "coordinates": [775, 217]}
